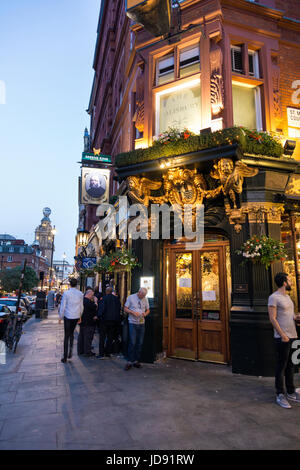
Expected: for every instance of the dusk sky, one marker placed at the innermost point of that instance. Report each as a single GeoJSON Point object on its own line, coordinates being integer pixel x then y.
{"type": "Point", "coordinates": [46, 56]}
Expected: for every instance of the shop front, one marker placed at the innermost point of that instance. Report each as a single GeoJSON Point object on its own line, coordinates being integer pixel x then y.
{"type": "Point", "coordinates": [210, 303]}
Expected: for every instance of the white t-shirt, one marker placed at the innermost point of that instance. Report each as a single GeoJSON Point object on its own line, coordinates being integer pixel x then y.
{"type": "Point", "coordinates": [285, 314]}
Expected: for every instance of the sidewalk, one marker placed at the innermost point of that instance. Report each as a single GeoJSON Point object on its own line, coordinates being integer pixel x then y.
{"type": "Point", "coordinates": [94, 404]}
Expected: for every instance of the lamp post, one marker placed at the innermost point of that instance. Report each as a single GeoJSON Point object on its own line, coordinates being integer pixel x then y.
{"type": "Point", "coordinates": [64, 258]}
{"type": "Point", "coordinates": [53, 231]}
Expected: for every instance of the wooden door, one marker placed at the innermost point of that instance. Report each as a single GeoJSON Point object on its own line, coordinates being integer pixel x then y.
{"type": "Point", "coordinates": [197, 303]}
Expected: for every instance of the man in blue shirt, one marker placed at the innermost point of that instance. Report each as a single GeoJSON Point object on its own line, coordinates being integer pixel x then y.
{"type": "Point", "coordinates": [137, 307]}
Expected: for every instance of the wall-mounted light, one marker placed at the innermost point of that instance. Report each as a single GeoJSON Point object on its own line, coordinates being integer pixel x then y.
{"type": "Point", "coordinates": [82, 237]}
{"type": "Point", "coordinates": [165, 163]}
{"type": "Point", "coordinates": [289, 147]}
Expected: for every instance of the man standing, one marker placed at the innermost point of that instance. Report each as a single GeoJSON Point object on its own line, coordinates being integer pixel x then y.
{"type": "Point", "coordinates": [282, 317]}
{"type": "Point", "coordinates": [87, 324]}
{"type": "Point", "coordinates": [137, 307]}
{"type": "Point", "coordinates": [110, 319]}
{"type": "Point", "coordinates": [71, 308]}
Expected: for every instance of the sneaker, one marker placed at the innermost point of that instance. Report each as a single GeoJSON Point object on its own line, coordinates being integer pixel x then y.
{"type": "Point", "coordinates": [128, 366]}
{"type": "Point", "coordinates": [63, 360]}
{"type": "Point", "coordinates": [138, 365]}
{"type": "Point", "coordinates": [282, 401]}
{"type": "Point", "coordinates": [293, 396]}
{"type": "Point", "coordinates": [99, 356]}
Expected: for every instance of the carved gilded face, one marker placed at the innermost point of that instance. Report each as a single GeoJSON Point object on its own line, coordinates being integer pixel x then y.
{"type": "Point", "coordinates": [225, 166]}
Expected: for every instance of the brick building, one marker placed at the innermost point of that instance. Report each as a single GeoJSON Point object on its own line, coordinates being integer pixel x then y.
{"type": "Point", "coordinates": [14, 251]}
{"type": "Point", "coordinates": [219, 64]}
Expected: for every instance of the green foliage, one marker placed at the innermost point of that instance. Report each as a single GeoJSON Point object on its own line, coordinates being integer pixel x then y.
{"type": "Point", "coordinates": [10, 279]}
{"type": "Point", "coordinates": [262, 143]}
{"type": "Point", "coordinates": [120, 259]}
{"type": "Point", "coordinates": [170, 144]}
{"type": "Point", "coordinates": [263, 249]}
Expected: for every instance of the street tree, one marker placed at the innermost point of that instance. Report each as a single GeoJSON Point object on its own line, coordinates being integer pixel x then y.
{"type": "Point", "coordinates": [10, 279]}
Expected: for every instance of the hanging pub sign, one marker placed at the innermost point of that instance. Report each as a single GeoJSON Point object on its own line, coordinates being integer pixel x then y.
{"type": "Point", "coordinates": [88, 157]}
{"type": "Point", "coordinates": [88, 263]}
{"type": "Point", "coordinates": [94, 185]}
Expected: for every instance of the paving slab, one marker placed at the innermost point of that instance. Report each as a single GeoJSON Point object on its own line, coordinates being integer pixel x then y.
{"type": "Point", "coordinates": [94, 404]}
{"type": "Point", "coordinates": [18, 410]}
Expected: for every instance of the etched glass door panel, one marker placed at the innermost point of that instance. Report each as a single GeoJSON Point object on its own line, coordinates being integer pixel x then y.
{"type": "Point", "coordinates": [210, 285]}
{"type": "Point", "coordinates": [184, 302]}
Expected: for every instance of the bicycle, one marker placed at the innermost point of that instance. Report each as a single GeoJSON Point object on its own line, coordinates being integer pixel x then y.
{"type": "Point", "coordinates": [14, 331]}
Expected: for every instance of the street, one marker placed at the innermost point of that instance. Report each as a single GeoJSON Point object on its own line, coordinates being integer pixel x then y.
{"type": "Point", "coordinates": [94, 404]}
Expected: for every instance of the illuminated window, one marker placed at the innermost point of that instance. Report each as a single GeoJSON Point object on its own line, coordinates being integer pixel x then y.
{"type": "Point", "coordinates": [165, 69]}
{"type": "Point", "coordinates": [189, 61]}
{"type": "Point", "coordinates": [246, 101]}
{"type": "Point", "coordinates": [179, 107]}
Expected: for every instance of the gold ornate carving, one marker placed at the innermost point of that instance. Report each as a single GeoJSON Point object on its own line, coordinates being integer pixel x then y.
{"type": "Point", "coordinates": [183, 186]}
{"type": "Point", "coordinates": [231, 177]}
{"type": "Point", "coordinates": [293, 187]}
{"type": "Point", "coordinates": [96, 151]}
{"type": "Point", "coordinates": [140, 189]}
{"type": "Point", "coordinates": [259, 212]}
{"type": "Point", "coordinates": [139, 116]}
{"type": "Point", "coordinates": [216, 79]}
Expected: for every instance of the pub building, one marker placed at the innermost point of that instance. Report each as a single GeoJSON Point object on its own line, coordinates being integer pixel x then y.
{"type": "Point", "coordinates": [198, 102]}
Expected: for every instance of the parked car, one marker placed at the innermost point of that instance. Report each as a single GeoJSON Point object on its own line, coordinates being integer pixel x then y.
{"type": "Point", "coordinates": [5, 313]}
{"type": "Point", "coordinates": [28, 304]}
{"type": "Point", "coordinates": [11, 302]}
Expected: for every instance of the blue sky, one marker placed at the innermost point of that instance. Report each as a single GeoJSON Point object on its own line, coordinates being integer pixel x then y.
{"type": "Point", "coordinates": [46, 55]}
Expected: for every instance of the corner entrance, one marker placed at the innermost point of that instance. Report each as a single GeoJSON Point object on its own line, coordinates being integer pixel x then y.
{"type": "Point", "coordinates": [196, 302]}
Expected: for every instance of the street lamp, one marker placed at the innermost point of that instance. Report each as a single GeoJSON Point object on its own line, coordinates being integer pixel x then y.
{"type": "Point", "coordinates": [64, 258]}
{"type": "Point", "coordinates": [53, 232]}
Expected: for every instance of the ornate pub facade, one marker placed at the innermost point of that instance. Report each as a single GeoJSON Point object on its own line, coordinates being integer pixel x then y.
{"type": "Point", "coordinates": [198, 102]}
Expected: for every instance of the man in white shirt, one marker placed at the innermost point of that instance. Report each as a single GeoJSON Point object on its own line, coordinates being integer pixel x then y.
{"type": "Point", "coordinates": [71, 308]}
{"type": "Point", "coordinates": [282, 317]}
{"type": "Point", "coordinates": [137, 307]}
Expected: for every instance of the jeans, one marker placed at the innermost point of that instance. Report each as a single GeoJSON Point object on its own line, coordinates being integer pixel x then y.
{"type": "Point", "coordinates": [136, 338]}
{"type": "Point", "coordinates": [284, 366]}
{"type": "Point", "coordinates": [70, 325]}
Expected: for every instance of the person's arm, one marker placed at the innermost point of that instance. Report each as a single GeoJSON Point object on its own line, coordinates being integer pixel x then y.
{"type": "Point", "coordinates": [81, 310]}
{"type": "Point", "coordinates": [273, 319]}
{"type": "Point", "coordinates": [147, 312]}
{"type": "Point", "coordinates": [132, 312]}
{"type": "Point", "coordinates": [147, 308]}
{"type": "Point", "coordinates": [62, 308]}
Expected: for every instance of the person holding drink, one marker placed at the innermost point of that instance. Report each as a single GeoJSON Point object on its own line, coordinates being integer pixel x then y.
{"type": "Point", "coordinates": [137, 307]}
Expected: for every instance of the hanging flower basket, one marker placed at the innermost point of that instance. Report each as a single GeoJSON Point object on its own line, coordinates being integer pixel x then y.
{"type": "Point", "coordinates": [119, 260]}
{"type": "Point", "coordinates": [262, 249]}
